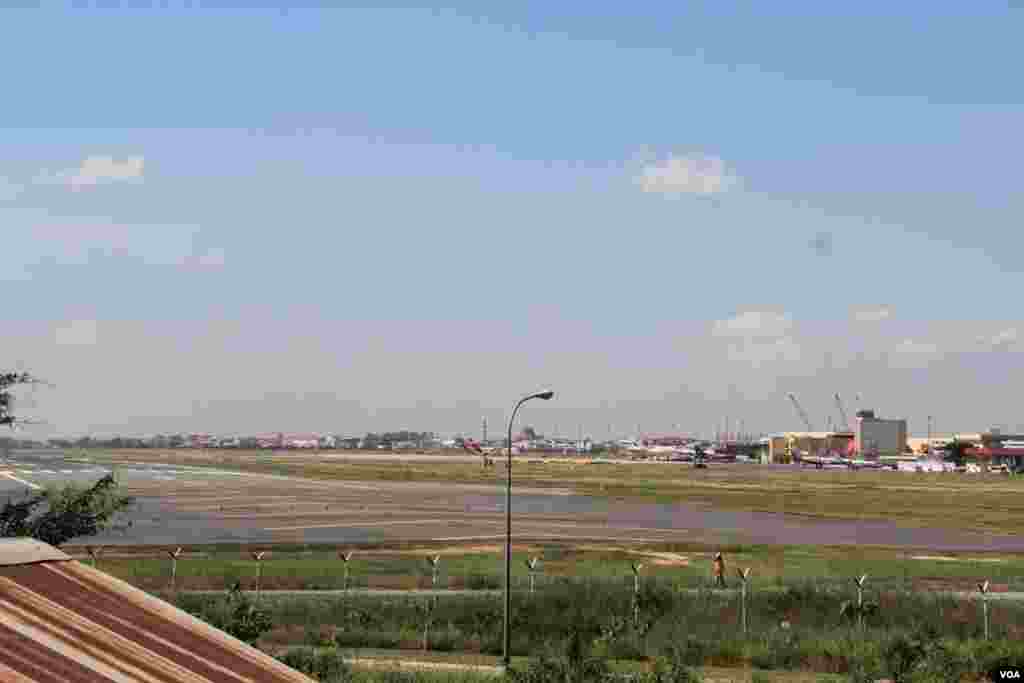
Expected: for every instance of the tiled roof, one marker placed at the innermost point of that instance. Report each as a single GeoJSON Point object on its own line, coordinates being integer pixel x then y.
{"type": "Point", "coordinates": [63, 622]}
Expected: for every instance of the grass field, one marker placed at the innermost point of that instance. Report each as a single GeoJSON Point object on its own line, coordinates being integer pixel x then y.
{"type": "Point", "coordinates": [988, 503]}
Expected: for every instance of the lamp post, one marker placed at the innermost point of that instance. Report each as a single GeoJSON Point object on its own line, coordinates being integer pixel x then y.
{"type": "Point", "coordinates": [506, 656]}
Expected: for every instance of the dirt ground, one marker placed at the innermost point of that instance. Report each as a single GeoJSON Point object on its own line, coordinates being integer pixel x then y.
{"type": "Point", "coordinates": [203, 507]}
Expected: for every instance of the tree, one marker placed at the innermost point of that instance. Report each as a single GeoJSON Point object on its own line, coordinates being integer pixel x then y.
{"type": "Point", "coordinates": [58, 515]}
{"type": "Point", "coordinates": [956, 451]}
{"type": "Point", "coordinates": [8, 380]}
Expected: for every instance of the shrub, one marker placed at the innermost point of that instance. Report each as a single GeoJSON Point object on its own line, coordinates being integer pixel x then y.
{"type": "Point", "coordinates": [236, 615]}
{"type": "Point", "coordinates": [326, 666]}
{"type": "Point", "coordinates": [573, 663]}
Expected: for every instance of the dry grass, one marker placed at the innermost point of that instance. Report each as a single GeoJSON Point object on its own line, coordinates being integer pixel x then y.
{"type": "Point", "coordinates": [990, 503]}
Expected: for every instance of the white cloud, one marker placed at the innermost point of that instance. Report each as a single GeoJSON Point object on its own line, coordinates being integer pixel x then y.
{"type": "Point", "coordinates": [758, 337]}
{"type": "Point", "coordinates": [678, 175]}
{"type": "Point", "coordinates": [213, 258]}
{"type": "Point", "coordinates": [38, 237]}
{"type": "Point", "coordinates": [872, 315]}
{"type": "Point", "coordinates": [916, 347]}
{"type": "Point", "coordinates": [783, 349]}
{"type": "Point", "coordinates": [95, 170]}
{"type": "Point", "coordinates": [1003, 340]}
{"type": "Point", "coordinates": [754, 324]}
{"type": "Point", "coordinates": [911, 353]}
{"type": "Point", "coordinates": [9, 190]}
{"type": "Point", "coordinates": [77, 333]}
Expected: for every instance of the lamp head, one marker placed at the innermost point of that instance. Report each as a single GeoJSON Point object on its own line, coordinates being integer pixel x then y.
{"type": "Point", "coordinates": [546, 395]}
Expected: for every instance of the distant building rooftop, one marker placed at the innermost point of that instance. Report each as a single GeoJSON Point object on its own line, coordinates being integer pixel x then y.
{"type": "Point", "coordinates": [64, 622]}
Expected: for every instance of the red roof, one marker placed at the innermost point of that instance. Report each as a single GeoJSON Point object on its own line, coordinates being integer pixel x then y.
{"type": "Point", "coordinates": [65, 622]}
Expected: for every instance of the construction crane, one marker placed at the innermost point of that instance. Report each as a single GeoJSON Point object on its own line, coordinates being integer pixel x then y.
{"type": "Point", "coordinates": [801, 411]}
{"type": "Point", "coordinates": [842, 412]}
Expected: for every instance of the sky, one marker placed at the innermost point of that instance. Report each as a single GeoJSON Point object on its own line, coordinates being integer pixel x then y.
{"type": "Point", "coordinates": [256, 218]}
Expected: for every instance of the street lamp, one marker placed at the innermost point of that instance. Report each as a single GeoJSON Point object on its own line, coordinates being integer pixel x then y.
{"type": "Point", "coordinates": [506, 656]}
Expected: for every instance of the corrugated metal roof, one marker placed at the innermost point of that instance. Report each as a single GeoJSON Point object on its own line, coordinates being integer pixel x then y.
{"type": "Point", "coordinates": [26, 551]}
{"type": "Point", "coordinates": [63, 622]}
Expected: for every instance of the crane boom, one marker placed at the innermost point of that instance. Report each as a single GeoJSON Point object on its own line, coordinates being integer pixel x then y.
{"type": "Point", "coordinates": [842, 412]}
{"type": "Point", "coordinates": [801, 411]}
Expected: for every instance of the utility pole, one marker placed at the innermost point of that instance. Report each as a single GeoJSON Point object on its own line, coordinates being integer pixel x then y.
{"type": "Point", "coordinates": [929, 434]}
{"type": "Point", "coordinates": [484, 440]}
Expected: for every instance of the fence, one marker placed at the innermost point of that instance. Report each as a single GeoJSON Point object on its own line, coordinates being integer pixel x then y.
{"type": "Point", "coordinates": [630, 603]}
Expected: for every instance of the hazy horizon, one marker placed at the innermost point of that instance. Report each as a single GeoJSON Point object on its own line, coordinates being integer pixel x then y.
{"type": "Point", "coordinates": [345, 221]}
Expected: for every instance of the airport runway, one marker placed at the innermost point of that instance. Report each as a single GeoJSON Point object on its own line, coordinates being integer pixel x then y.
{"type": "Point", "coordinates": [180, 505]}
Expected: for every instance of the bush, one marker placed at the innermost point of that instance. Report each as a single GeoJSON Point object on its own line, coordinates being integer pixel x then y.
{"type": "Point", "coordinates": [671, 669]}
{"type": "Point", "coordinates": [327, 666]}
{"type": "Point", "coordinates": [236, 615]}
{"type": "Point", "coordinates": [574, 663]}
{"type": "Point", "coordinates": [692, 652]}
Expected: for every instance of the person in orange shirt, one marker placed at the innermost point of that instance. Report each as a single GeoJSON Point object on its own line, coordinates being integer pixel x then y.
{"type": "Point", "coordinates": [718, 570]}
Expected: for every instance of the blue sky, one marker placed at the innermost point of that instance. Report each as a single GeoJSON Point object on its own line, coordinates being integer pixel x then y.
{"type": "Point", "coordinates": [353, 219]}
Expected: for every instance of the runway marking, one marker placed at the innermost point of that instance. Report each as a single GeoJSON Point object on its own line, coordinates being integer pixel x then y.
{"type": "Point", "coordinates": [47, 472]}
{"type": "Point", "coordinates": [66, 471]}
{"type": "Point", "coordinates": [20, 481]}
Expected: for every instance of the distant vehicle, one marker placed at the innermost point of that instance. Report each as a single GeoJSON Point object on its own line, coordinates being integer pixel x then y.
{"type": "Point", "coordinates": [682, 455]}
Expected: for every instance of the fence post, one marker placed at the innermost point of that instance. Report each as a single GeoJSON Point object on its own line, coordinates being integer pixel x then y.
{"type": "Point", "coordinates": [434, 562]}
{"type": "Point", "coordinates": [94, 553]}
{"type": "Point", "coordinates": [259, 571]}
{"type": "Point", "coordinates": [174, 567]}
{"type": "Point", "coordinates": [636, 567]}
{"type": "Point", "coordinates": [744, 577]}
{"type": "Point", "coordinates": [860, 600]}
{"type": "Point", "coordinates": [531, 566]}
{"type": "Point", "coordinates": [345, 556]}
{"type": "Point", "coordinates": [983, 587]}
